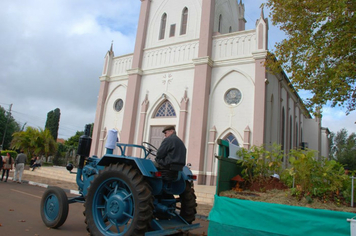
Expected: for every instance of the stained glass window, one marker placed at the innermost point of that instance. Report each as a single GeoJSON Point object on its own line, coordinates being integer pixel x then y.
{"type": "Point", "coordinates": [166, 110]}
{"type": "Point", "coordinates": [233, 96]}
{"type": "Point", "coordinates": [183, 29]}
{"type": "Point", "coordinates": [232, 139]}
{"type": "Point", "coordinates": [118, 104]}
{"type": "Point", "coordinates": [163, 26]}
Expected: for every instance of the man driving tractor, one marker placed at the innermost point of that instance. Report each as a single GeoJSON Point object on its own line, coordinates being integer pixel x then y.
{"type": "Point", "coordinates": [171, 151]}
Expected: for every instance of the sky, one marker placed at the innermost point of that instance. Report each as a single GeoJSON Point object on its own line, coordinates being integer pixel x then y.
{"type": "Point", "coordinates": [52, 55]}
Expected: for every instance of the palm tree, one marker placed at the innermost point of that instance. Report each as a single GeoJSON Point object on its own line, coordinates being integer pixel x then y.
{"type": "Point", "coordinates": [25, 140]}
{"type": "Point", "coordinates": [34, 142]}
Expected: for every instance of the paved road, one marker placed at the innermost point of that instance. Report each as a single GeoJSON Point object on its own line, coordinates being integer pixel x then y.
{"type": "Point", "coordinates": [20, 213]}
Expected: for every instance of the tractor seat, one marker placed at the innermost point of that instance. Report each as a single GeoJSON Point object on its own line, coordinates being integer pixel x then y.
{"type": "Point", "coordinates": [171, 172]}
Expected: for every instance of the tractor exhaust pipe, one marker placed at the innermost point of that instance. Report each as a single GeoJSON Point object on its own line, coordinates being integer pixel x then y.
{"type": "Point", "coordinates": [83, 150]}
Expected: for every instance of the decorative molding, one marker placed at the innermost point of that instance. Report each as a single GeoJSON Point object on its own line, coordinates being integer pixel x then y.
{"type": "Point", "coordinates": [233, 61]}
{"type": "Point", "coordinates": [170, 55]}
{"type": "Point", "coordinates": [167, 79]}
{"type": "Point", "coordinates": [104, 78]}
{"type": "Point", "coordinates": [168, 69]}
{"type": "Point", "coordinates": [135, 71]}
{"type": "Point", "coordinates": [259, 55]}
{"type": "Point", "coordinates": [203, 61]}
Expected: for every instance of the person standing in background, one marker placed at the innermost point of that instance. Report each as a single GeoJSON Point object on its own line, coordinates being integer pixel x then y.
{"type": "Point", "coordinates": [20, 166]}
{"type": "Point", "coordinates": [8, 165]}
{"type": "Point", "coordinates": [1, 163]}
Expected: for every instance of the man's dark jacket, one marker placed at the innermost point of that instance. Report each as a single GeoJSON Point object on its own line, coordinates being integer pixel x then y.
{"type": "Point", "coordinates": [172, 150]}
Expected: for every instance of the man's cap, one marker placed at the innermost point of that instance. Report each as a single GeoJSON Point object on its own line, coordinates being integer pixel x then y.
{"type": "Point", "coordinates": [169, 127]}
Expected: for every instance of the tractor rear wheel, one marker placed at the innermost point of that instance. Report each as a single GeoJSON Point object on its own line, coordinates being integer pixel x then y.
{"type": "Point", "coordinates": [119, 202]}
{"type": "Point", "coordinates": [188, 203]}
{"type": "Point", "coordinates": [54, 207]}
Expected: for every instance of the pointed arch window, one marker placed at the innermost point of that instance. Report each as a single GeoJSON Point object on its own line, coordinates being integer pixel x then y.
{"type": "Point", "coordinates": [291, 132]}
{"type": "Point", "coordinates": [283, 129]}
{"type": "Point", "coordinates": [232, 139]}
{"type": "Point", "coordinates": [230, 29]}
{"type": "Point", "coordinates": [165, 110]}
{"type": "Point", "coordinates": [163, 26]}
{"type": "Point", "coordinates": [220, 24]}
{"type": "Point", "coordinates": [296, 135]}
{"type": "Point", "coordinates": [183, 26]}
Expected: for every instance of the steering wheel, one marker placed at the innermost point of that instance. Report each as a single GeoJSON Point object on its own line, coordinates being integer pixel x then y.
{"type": "Point", "coordinates": [150, 148]}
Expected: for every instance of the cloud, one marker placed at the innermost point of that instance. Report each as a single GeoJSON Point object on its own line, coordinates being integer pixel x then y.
{"type": "Point", "coordinates": [53, 54]}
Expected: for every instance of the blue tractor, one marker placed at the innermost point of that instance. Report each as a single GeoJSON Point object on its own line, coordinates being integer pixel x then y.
{"type": "Point", "coordinates": [125, 195]}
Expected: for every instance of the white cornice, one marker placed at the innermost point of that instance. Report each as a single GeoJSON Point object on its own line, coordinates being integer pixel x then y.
{"type": "Point", "coordinates": [234, 61]}
{"type": "Point", "coordinates": [134, 71]}
{"type": "Point", "coordinates": [119, 78]}
{"type": "Point", "coordinates": [104, 78]}
{"type": "Point", "coordinates": [259, 55]}
{"type": "Point", "coordinates": [168, 69]}
{"type": "Point", "coordinates": [203, 60]}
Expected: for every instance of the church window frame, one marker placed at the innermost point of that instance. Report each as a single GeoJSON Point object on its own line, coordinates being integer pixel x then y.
{"type": "Point", "coordinates": [172, 31]}
{"type": "Point", "coordinates": [231, 138]}
{"type": "Point", "coordinates": [283, 123]}
{"type": "Point", "coordinates": [233, 97]}
{"type": "Point", "coordinates": [184, 21]}
{"type": "Point", "coordinates": [118, 105]}
{"type": "Point", "coordinates": [291, 132]}
{"type": "Point", "coordinates": [220, 24]}
{"type": "Point", "coordinates": [165, 110]}
{"type": "Point", "coordinates": [162, 31]}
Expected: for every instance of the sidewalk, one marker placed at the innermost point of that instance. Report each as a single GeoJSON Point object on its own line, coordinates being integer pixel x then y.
{"type": "Point", "coordinates": [35, 178]}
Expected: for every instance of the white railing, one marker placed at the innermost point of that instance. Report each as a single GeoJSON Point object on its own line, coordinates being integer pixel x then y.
{"type": "Point", "coordinates": [121, 64]}
{"type": "Point", "coordinates": [227, 46]}
{"type": "Point", "coordinates": [234, 45]}
{"type": "Point", "coordinates": [170, 55]}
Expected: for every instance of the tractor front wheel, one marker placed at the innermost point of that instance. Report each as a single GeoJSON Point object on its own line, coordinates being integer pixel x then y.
{"type": "Point", "coordinates": [119, 202]}
{"type": "Point", "coordinates": [54, 207]}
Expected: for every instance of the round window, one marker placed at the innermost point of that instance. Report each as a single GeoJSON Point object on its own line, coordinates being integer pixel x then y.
{"type": "Point", "coordinates": [233, 96]}
{"type": "Point", "coordinates": [118, 104]}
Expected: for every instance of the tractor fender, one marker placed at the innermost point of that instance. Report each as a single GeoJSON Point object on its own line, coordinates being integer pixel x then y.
{"type": "Point", "coordinates": [187, 173]}
{"type": "Point", "coordinates": [145, 166]}
{"type": "Point", "coordinates": [177, 187]}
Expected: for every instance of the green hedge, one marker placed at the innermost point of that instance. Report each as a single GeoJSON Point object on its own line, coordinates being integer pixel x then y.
{"type": "Point", "coordinates": [12, 153]}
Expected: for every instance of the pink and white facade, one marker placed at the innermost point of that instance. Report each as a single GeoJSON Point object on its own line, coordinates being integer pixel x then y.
{"type": "Point", "coordinates": [195, 66]}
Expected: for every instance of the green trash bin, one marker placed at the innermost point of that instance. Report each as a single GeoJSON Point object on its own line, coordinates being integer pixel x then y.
{"type": "Point", "coordinates": [227, 168]}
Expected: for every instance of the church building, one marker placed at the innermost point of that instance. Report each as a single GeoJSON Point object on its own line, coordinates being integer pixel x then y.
{"type": "Point", "coordinates": [196, 67]}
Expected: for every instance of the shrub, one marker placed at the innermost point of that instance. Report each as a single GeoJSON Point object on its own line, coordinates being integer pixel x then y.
{"type": "Point", "coordinates": [306, 175]}
{"type": "Point", "coordinates": [259, 162]}
{"type": "Point", "coordinates": [12, 153]}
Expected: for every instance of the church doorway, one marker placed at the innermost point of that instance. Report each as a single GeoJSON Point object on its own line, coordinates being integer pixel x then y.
{"type": "Point", "coordinates": [157, 136]}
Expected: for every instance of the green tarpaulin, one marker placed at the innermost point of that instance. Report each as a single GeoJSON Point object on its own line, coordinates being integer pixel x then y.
{"type": "Point", "coordinates": [243, 217]}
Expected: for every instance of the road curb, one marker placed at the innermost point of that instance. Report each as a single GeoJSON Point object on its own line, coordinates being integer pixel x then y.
{"type": "Point", "coordinates": [47, 186]}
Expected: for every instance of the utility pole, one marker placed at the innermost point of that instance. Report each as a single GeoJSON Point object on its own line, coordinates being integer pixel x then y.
{"type": "Point", "coordinates": [8, 117]}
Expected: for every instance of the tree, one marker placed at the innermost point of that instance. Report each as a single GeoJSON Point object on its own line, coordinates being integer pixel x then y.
{"type": "Point", "coordinates": [320, 50]}
{"type": "Point", "coordinates": [52, 122]}
{"type": "Point", "coordinates": [34, 142]}
{"type": "Point", "coordinates": [74, 140]}
{"type": "Point", "coordinates": [344, 148]}
{"type": "Point", "coordinates": [61, 152]}
{"type": "Point", "coordinates": [8, 123]}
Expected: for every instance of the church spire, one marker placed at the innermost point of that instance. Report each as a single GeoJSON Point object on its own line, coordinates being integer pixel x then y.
{"type": "Point", "coordinates": [241, 12]}
{"type": "Point", "coordinates": [111, 52]}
